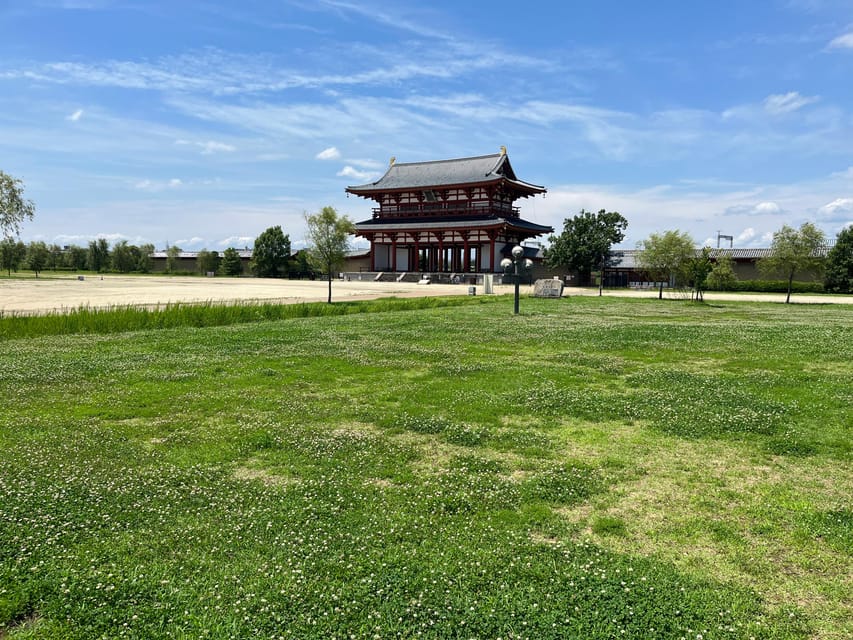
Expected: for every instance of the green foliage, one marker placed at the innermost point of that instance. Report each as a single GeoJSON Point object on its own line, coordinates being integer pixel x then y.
{"type": "Point", "coordinates": [172, 258]}
{"type": "Point", "coordinates": [698, 268]}
{"type": "Point", "coordinates": [722, 276]}
{"type": "Point", "coordinates": [271, 253]}
{"type": "Point", "coordinates": [584, 244]}
{"type": "Point", "coordinates": [12, 254]}
{"type": "Point", "coordinates": [144, 262]}
{"type": "Point", "coordinates": [231, 264]}
{"type": "Point", "coordinates": [665, 257]}
{"type": "Point", "coordinates": [794, 251]}
{"type": "Point", "coordinates": [839, 263]}
{"type": "Point", "coordinates": [98, 256]}
{"type": "Point", "coordinates": [14, 208]}
{"type": "Point", "coordinates": [37, 256]}
{"type": "Point", "coordinates": [328, 235]}
{"type": "Point", "coordinates": [123, 258]}
{"type": "Point", "coordinates": [207, 261]}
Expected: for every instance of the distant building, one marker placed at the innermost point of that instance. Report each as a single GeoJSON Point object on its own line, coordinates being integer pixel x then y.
{"type": "Point", "coordinates": [188, 260]}
{"type": "Point", "coordinates": [446, 216]}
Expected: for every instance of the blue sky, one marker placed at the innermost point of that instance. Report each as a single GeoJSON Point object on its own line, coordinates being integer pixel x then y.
{"type": "Point", "coordinates": [202, 123]}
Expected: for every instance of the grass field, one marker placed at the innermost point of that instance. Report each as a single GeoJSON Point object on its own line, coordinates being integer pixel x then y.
{"type": "Point", "coordinates": [592, 468]}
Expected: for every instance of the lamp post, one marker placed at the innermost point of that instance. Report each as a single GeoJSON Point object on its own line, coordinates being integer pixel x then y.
{"type": "Point", "coordinates": [515, 262]}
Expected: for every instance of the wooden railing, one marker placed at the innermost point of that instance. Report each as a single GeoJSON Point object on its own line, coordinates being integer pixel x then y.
{"type": "Point", "coordinates": [419, 209]}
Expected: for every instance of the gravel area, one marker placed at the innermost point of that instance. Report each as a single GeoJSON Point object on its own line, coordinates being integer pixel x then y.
{"type": "Point", "coordinates": [47, 294]}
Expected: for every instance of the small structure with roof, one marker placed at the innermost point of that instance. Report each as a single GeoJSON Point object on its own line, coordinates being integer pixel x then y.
{"type": "Point", "coordinates": [453, 216]}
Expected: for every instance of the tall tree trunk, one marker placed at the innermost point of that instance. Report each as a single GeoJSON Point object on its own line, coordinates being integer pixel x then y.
{"type": "Point", "coordinates": [790, 282]}
{"type": "Point", "coordinates": [660, 291]}
{"type": "Point", "coordinates": [330, 286]}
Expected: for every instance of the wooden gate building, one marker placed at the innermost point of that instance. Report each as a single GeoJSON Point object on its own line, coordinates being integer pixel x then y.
{"type": "Point", "coordinates": [446, 215]}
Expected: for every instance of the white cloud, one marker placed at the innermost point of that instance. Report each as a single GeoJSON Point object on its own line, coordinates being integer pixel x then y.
{"type": "Point", "coordinates": [331, 153]}
{"type": "Point", "coordinates": [839, 210]}
{"type": "Point", "coordinates": [767, 208]}
{"type": "Point", "coordinates": [74, 117]}
{"type": "Point", "coordinates": [208, 147]}
{"type": "Point", "coordinates": [158, 185]}
{"type": "Point", "coordinates": [745, 236]}
{"type": "Point", "coordinates": [842, 42]}
{"type": "Point", "coordinates": [351, 172]}
{"type": "Point", "coordinates": [212, 146]}
{"type": "Point", "coordinates": [778, 104]}
{"type": "Point", "coordinates": [238, 242]}
{"type": "Point", "coordinates": [187, 243]}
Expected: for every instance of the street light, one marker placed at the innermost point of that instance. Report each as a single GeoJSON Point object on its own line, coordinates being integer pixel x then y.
{"type": "Point", "coordinates": [515, 262]}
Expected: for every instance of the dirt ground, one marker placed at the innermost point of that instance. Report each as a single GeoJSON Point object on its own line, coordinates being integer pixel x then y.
{"type": "Point", "coordinates": [49, 294]}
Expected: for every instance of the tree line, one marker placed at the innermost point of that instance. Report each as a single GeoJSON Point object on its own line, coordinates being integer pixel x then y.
{"type": "Point", "coordinates": [672, 258]}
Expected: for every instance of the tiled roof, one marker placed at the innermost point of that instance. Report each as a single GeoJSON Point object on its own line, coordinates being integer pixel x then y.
{"type": "Point", "coordinates": [436, 173]}
{"type": "Point", "coordinates": [452, 222]}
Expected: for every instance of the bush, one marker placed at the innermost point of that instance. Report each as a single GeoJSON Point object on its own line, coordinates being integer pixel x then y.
{"type": "Point", "coordinates": [771, 286]}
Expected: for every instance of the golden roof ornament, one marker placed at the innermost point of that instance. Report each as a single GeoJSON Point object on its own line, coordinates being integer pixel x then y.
{"type": "Point", "coordinates": [393, 160]}
{"type": "Point", "coordinates": [503, 150]}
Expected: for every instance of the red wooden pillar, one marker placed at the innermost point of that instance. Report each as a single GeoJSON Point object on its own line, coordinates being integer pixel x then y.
{"type": "Point", "coordinates": [440, 236]}
{"type": "Point", "coordinates": [417, 265]}
{"type": "Point", "coordinates": [394, 252]}
{"type": "Point", "coordinates": [466, 260]}
{"type": "Point", "coordinates": [372, 253]}
{"type": "Point", "coordinates": [491, 251]}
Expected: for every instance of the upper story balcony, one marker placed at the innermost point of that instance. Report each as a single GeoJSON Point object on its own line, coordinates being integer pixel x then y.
{"type": "Point", "coordinates": [450, 208]}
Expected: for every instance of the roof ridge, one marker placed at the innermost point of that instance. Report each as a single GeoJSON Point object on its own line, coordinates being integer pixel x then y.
{"type": "Point", "coordinates": [490, 155]}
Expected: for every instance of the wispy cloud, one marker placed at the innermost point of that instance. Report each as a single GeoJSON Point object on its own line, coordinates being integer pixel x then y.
{"type": "Point", "coordinates": [787, 102]}
{"type": "Point", "coordinates": [74, 117]}
{"type": "Point", "coordinates": [331, 153]}
{"type": "Point", "coordinates": [842, 42]}
{"type": "Point", "coordinates": [208, 147]}
{"type": "Point", "coordinates": [351, 172]}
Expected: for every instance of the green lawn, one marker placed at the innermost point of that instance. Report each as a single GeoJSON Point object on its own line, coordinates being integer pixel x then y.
{"type": "Point", "coordinates": [592, 468]}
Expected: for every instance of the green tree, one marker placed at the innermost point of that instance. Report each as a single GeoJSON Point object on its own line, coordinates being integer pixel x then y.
{"type": "Point", "coordinates": [55, 259]}
{"type": "Point", "coordinates": [12, 254]}
{"type": "Point", "coordinates": [37, 257]}
{"type": "Point", "coordinates": [98, 256]}
{"type": "Point", "coordinates": [172, 256]}
{"type": "Point", "coordinates": [123, 258]}
{"type": "Point", "coordinates": [231, 264]}
{"type": "Point", "coordinates": [328, 235]}
{"type": "Point", "coordinates": [722, 276]}
{"type": "Point", "coordinates": [585, 242]}
{"type": "Point", "coordinates": [698, 269]}
{"type": "Point", "coordinates": [144, 263]}
{"type": "Point", "coordinates": [76, 258]}
{"type": "Point", "coordinates": [207, 261]}
{"type": "Point", "coordinates": [794, 251]}
{"type": "Point", "coordinates": [839, 263]}
{"type": "Point", "coordinates": [665, 257]}
{"type": "Point", "coordinates": [271, 253]}
{"type": "Point", "coordinates": [14, 208]}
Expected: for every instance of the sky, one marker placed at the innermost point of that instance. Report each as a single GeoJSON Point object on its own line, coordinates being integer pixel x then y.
{"type": "Point", "coordinates": [200, 123]}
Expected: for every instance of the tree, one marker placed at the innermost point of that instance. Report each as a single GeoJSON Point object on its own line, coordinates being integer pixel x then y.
{"type": "Point", "coordinates": [231, 264]}
{"type": "Point", "coordinates": [271, 253]}
{"type": "Point", "coordinates": [207, 261]}
{"type": "Point", "coordinates": [839, 263]}
{"type": "Point", "coordinates": [793, 251]}
{"type": "Point", "coordinates": [98, 257]}
{"type": "Point", "coordinates": [722, 276]}
{"type": "Point", "coordinates": [328, 235]}
{"type": "Point", "coordinates": [76, 258]}
{"type": "Point", "coordinates": [585, 242]}
{"type": "Point", "coordinates": [12, 254]}
{"type": "Point", "coordinates": [172, 255]}
{"type": "Point", "coordinates": [37, 256]}
{"type": "Point", "coordinates": [698, 268]}
{"type": "Point", "coordinates": [144, 263]}
{"type": "Point", "coordinates": [14, 208]}
{"type": "Point", "coordinates": [123, 259]}
{"type": "Point", "coordinates": [665, 257]}
{"type": "Point", "coordinates": [54, 260]}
